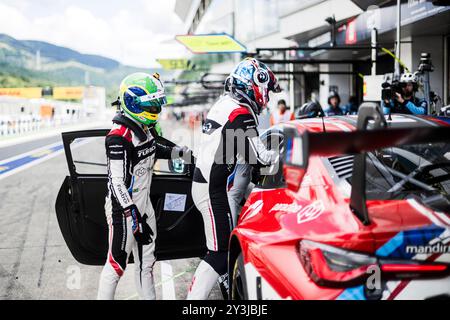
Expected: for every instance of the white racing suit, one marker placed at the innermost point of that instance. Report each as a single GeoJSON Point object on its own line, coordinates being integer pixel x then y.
{"type": "Point", "coordinates": [229, 132]}
{"type": "Point", "coordinates": [131, 150]}
{"type": "Point", "coordinates": [239, 187]}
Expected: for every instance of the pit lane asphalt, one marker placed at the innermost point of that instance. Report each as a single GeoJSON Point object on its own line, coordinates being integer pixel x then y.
{"type": "Point", "coordinates": [14, 150]}
{"type": "Point", "coordinates": [35, 262]}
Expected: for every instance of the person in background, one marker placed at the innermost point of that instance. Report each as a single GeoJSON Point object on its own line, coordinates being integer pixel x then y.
{"type": "Point", "coordinates": [334, 101]}
{"type": "Point", "coordinates": [351, 107]}
{"type": "Point", "coordinates": [405, 102]}
{"type": "Point", "coordinates": [282, 114]}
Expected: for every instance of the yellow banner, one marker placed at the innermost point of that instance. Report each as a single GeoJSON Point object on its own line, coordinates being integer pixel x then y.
{"type": "Point", "coordinates": [174, 64]}
{"type": "Point", "coordinates": [68, 93]}
{"type": "Point", "coordinates": [28, 93]}
{"type": "Point", "coordinates": [211, 43]}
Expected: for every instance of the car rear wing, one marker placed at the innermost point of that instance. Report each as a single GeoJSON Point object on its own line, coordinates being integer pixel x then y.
{"type": "Point", "coordinates": [358, 143]}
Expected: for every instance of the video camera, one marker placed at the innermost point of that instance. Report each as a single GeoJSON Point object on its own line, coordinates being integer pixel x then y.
{"type": "Point", "coordinates": [390, 88]}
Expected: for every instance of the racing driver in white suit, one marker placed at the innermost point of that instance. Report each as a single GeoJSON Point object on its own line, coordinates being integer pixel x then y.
{"type": "Point", "coordinates": [132, 146]}
{"type": "Point", "coordinates": [229, 132]}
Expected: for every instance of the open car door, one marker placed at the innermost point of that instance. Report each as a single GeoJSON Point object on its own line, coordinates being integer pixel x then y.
{"type": "Point", "coordinates": [80, 204]}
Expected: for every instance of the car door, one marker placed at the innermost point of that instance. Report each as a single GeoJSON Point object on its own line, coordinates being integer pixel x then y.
{"type": "Point", "coordinates": [80, 204]}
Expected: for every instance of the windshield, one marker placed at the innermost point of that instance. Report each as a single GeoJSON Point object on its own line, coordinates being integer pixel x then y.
{"type": "Point", "coordinates": [414, 171]}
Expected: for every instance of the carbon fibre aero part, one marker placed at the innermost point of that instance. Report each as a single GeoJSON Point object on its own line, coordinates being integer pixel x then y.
{"type": "Point", "coordinates": [367, 112]}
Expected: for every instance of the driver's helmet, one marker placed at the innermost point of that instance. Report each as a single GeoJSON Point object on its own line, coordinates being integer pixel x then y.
{"type": "Point", "coordinates": [250, 84]}
{"type": "Point", "coordinates": [310, 110]}
{"type": "Point", "coordinates": [408, 77]}
{"type": "Point", "coordinates": [142, 97]}
{"type": "Point", "coordinates": [227, 85]}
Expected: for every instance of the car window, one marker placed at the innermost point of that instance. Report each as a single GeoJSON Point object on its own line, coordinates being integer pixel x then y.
{"type": "Point", "coordinates": [89, 157]}
{"type": "Point", "coordinates": [421, 171]}
{"type": "Point", "coordinates": [410, 169]}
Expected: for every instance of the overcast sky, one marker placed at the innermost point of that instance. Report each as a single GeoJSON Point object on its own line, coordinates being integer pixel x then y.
{"type": "Point", "coordinates": [135, 32]}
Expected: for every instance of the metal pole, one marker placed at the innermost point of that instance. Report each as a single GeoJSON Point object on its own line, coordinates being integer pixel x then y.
{"type": "Point", "coordinates": [397, 46]}
{"type": "Point", "coordinates": [290, 69]}
{"type": "Point", "coordinates": [292, 87]}
{"type": "Point", "coordinates": [374, 51]}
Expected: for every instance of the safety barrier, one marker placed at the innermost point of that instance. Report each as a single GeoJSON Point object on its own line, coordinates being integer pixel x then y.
{"type": "Point", "coordinates": [10, 127]}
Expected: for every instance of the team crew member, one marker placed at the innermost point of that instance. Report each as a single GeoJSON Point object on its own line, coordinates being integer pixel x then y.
{"type": "Point", "coordinates": [334, 101]}
{"type": "Point", "coordinates": [406, 102]}
{"type": "Point", "coordinates": [131, 148]}
{"type": "Point", "coordinates": [282, 114]}
{"type": "Point", "coordinates": [228, 132]}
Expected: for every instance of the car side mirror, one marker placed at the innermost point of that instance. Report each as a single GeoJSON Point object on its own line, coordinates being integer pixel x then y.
{"type": "Point", "coordinates": [293, 177]}
{"type": "Point", "coordinates": [295, 161]}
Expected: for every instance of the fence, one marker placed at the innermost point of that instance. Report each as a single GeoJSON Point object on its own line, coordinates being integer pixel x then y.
{"type": "Point", "coordinates": [20, 115]}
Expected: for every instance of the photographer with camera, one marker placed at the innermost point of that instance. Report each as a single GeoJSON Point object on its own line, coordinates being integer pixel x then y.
{"type": "Point", "coordinates": [401, 98]}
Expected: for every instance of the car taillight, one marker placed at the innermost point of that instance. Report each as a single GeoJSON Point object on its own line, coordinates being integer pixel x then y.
{"type": "Point", "coordinates": [334, 267]}
{"type": "Point", "coordinates": [413, 268]}
{"type": "Point", "coordinates": [331, 266]}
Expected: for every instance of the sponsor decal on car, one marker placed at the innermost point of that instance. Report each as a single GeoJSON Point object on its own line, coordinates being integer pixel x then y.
{"type": "Point", "coordinates": [310, 212]}
{"type": "Point", "coordinates": [304, 213]}
{"type": "Point", "coordinates": [438, 245]}
{"type": "Point", "coordinates": [287, 207]}
{"type": "Point", "coordinates": [255, 208]}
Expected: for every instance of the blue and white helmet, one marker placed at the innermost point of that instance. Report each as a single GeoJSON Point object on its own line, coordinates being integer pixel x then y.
{"type": "Point", "coordinates": [250, 84]}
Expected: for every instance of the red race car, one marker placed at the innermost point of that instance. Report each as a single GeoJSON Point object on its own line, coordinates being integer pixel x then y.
{"type": "Point", "coordinates": [353, 214]}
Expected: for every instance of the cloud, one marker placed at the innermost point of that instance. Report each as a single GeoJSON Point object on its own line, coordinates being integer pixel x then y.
{"type": "Point", "coordinates": [13, 22]}
{"type": "Point", "coordinates": [134, 37]}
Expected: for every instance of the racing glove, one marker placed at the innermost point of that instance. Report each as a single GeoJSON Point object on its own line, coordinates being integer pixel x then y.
{"type": "Point", "coordinates": [141, 230]}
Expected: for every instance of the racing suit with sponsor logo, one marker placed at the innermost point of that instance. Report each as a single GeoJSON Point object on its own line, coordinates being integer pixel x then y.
{"type": "Point", "coordinates": [229, 132]}
{"type": "Point", "coordinates": [131, 151]}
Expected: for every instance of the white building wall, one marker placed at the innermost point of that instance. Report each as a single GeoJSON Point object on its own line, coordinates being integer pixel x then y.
{"type": "Point", "coordinates": [314, 16]}
{"type": "Point", "coordinates": [435, 46]}
{"type": "Point", "coordinates": [410, 56]}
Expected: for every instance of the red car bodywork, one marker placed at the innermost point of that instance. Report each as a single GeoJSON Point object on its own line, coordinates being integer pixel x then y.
{"type": "Point", "coordinates": [273, 221]}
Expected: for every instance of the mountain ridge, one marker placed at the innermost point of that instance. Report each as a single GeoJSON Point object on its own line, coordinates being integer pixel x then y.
{"type": "Point", "coordinates": [59, 66]}
{"type": "Point", "coordinates": [59, 53]}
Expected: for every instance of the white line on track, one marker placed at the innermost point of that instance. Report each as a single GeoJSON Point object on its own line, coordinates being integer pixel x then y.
{"type": "Point", "coordinates": [31, 152]}
{"type": "Point", "coordinates": [168, 286]}
{"type": "Point", "coordinates": [134, 296]}
{"type": "Point", "coordinates": [39, 160]}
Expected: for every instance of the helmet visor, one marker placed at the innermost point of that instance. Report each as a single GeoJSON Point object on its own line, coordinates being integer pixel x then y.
{"type": "Point", "coordinates": [153, 106]}
{"type": "Point", "coordinates": [151, 103]}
